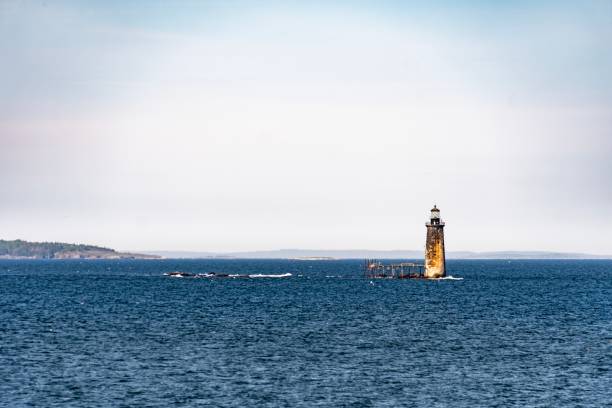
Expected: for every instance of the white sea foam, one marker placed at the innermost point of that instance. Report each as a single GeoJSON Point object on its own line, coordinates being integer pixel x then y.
{"type": "Point", "coordinates": [284, 275]}
{"type": "Point", "coordinates": [449, 278]}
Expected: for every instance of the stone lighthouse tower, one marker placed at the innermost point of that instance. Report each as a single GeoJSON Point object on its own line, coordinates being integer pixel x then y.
{"type": "Point", "coordinates": [435, 258]}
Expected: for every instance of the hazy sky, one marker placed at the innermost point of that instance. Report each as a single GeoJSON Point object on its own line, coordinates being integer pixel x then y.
{"type": "Point", "coordinates": [232, 125]}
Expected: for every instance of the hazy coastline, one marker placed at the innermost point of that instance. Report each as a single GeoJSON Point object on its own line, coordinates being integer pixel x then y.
{"type": "Point", "coordinates": [313, 254]}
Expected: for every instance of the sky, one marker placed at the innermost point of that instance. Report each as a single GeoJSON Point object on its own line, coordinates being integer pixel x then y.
{"type": "Point", "coordinates": [233, 126]}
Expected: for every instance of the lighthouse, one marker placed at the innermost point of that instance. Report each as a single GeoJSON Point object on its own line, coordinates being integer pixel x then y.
{"type": "Point", "coordinates": [435, 258]}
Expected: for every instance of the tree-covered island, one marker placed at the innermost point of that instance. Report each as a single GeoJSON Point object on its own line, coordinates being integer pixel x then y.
{"type": "Point", "coordinates": [19, 249]}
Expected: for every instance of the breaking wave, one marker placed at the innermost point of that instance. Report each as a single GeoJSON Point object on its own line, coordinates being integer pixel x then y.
{"type": "Point", "coordinates": [178, 274]}
{"type": "Point", "coordinates": [450, 277]}
{"type": "Point", "coordinates": [259, 275]}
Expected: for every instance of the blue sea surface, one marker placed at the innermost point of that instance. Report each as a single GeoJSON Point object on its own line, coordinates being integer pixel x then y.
{"type": "Point", "coordinates": [121, 334]}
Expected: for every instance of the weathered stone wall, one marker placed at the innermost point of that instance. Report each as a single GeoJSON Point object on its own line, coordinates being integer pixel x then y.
{"type": "Point", "coordinates": [435, 259]}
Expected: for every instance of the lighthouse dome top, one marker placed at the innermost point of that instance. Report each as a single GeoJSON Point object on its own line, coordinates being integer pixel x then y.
{"type": "Point", "coordinates": [434, 218]}
{"type": "Point", "coordinates": [435, 215]}
{"type": "Point", "coordinates": [435, 212]}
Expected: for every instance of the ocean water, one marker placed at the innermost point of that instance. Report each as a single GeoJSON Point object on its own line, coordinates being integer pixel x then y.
{"type": "Point", "coordinates": [120, 334]}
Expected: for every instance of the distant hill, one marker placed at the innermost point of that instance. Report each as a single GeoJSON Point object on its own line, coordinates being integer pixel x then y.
{"type": "Point", "coordinates": [366, 253]}
{"type": "Point", "coordinates": [19, 249]}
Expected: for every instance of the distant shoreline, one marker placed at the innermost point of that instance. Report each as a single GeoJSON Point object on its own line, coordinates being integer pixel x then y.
{"type": "Point", "coordinates": [24, 250]}
{"type": "Point", "coordinates": [159, 258]}
{"type": "Point", "coordinates": [296, 254]}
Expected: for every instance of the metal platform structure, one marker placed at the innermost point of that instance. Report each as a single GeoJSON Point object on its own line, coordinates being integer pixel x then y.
{"type": "Point", "coordinates": [375, 269]}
